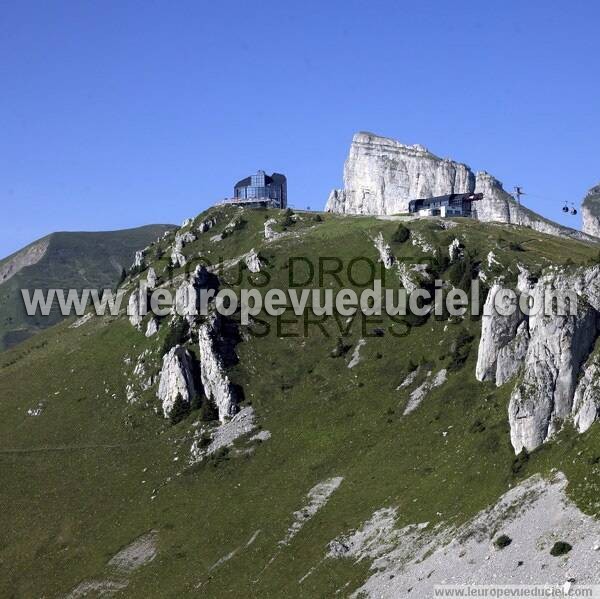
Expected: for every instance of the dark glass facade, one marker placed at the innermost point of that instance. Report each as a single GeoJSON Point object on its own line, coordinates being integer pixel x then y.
{"type": "Point", "coordinates": [262, 187]}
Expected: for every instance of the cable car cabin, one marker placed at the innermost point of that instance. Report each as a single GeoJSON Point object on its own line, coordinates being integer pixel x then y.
{"type": "Point", "coordinates": [455, 204]}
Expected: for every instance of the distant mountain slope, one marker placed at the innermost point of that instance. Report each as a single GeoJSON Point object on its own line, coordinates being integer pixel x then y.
{"type": "Point", "coordinates": [64, 260]}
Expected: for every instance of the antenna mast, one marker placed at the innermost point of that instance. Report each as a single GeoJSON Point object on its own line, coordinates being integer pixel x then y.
{"type": "Point", "coordinates": [518, 192]}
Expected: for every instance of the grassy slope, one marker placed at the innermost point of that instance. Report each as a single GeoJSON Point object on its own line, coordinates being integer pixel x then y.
{"type": "Point", "coordinates": [68, 506]}
{"type": "Point", "coordinates": [73, 260]}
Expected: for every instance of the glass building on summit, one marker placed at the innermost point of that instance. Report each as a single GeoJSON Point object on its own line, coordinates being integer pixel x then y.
{"type": "Point", "coordinates": [262, 189]}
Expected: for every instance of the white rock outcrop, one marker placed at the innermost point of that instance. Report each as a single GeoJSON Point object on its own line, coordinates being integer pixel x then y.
{"type": "Point", "coordinates": [176, 378]}
{"type": "Point", "coordinates": [187, 295]}
{"type": "Point", "coordinates": [455, 250]}
{"type": "Point", "coordinates": [512, 355]}
{"type": "Point", "coordinates": [151, 278]}
{"type": "Point", "coordinates": [269, 233]}
{"type": "Point", "coordinates": [586, 402]}
{"type": "Point", "coordinates": [136, 308]}
{"type": "Point", "coordinates": [419, 241]}
{"type": "Point", "coordinates": [419, 394]}
{"type": "Point", "coordinates": [216, 383]}
{"type": "Point", "coordinates": [187, 237]}
{"type": "Point", "coordinates": [590, 212]}
{"type": "Point", "coordinates": [385, 252]}
{"type": "Point", "coordinates": [253, 261]}
{"type": "Point", "coordinates": [549, 349]}
{"type": "Point", "coordinates": [206, 225]}
{"type": "Point", "coordinates": [138, 261]}
{"type": "Point", "coordinates": [152, 327]}
{"type": "Point", "coordinates": [497, 331]}
{"type": "Point", "coordinates": [177, 258]}
{"type": "Point", "coordinates": [381, 176]}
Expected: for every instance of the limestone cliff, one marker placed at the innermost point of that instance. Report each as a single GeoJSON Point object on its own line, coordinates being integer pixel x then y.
{"type": "Point", "coordinates": [549, 351]}
{"type": "Point", "coordinates": [217, 386]}
{"type": "Point", "coordinates": [382, 175]}
{"type": "Point", "coordinates": [176, 379]}
{"type": "Point", "coordinates": [590, 212]}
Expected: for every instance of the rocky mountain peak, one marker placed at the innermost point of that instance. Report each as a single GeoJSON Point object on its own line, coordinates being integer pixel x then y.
{"type": "Point", "coordinates": [382, 175]}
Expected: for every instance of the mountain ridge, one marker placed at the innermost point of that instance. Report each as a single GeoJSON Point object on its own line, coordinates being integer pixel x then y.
{"type": "Point", "coordinates": [65, 259]}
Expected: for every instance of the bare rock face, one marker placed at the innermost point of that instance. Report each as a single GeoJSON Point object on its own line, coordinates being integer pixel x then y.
{"type": "Point", "coordinates": [216, 383]}
{"type": "Point", "coordinates": [381, 176]}
{"type": "Point", "coordinates": [455, 250]}
{"type": "Point", "coordinates": [28, 256]}
{"type": "Point", "coordinates": [385, 252]}
{"type": "Point", "coordinates": [269, 233]}
{"type": "Point", "coordinates": [586, 403]}
{"type": "Point", "coordinates": [151, 278]}
{"type": "Point", "coordinates": [135, 309]}
{"type": "Point", "coordinates": [544, 399]}
{"type": "Point", "coordinates": [187, 237]}
{"type": "Point", "coordinates": [549, 350]}
{"type": "Point", "coordinates": [512, 355]}
{"type": "Point", "coordinates": [206, 225]}
{"type": "Point", "coordinates": [176, 378]}
{"type": "Point", "coordinates": [177, 257]}
{"type": "Point", "coordinates": [138, 261]}
{"type": "Point", "coordinates": [590, 212]}
{"type": "Point", "coordinates": [497, 332]}
{"type": "Point", "coordinates": [253, 261]}
{"type": "Point", "coordinates": [187, 295]}
{"type": "Point", "coordinates": [152, 327]}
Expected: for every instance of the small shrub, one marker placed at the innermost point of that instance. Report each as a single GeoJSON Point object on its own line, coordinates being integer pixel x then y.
{"type": "Point", "coordinates": [462, 272]}
{"type": "Point", "coordinates": [515, 247]}
{"type": "Point", "coordinates": [176, 335]}
{"type": "Point", "coordinates": [287, 221]}
{"type": "Point", "coordinates": [195, 402]}
{"type": "Point", "coordinates": [560, 548]}
{"type": "Point", "coordinates": [502, 541]}
{"type": "Point", "coordinates": [340, 349]}
{"type": "Point", "coordinates": [317, 218]}
{"type": "Point", "coordinates": [179, 411]}
{"type": "Point", "coordinates": [477, 427]}
{"type": "Point", "coordinates": [205, 440]}
{"type": "Point", "coordinates": [460, 350]}
{"type": "Point", "coordinates": [208, 411]}
{"type": "Point", "coordinates": [520, 461]}
{"type": "Point", "coordinates": [219, 456]}
{"type": "Point", "coordinates": [401, 234]}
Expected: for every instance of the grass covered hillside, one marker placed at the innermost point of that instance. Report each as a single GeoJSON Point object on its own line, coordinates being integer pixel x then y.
{"type": "Point", "coordinates": [64, 261]}
{"type": "Point", "coordinates": [101, 495]}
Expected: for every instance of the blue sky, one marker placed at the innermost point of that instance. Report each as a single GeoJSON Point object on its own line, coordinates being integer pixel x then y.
{"type": "Point", "coordinates": [117, 114]}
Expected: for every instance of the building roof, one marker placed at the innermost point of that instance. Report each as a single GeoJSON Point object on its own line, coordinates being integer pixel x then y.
{"type": "Point", "coordinates": [274, 178]}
